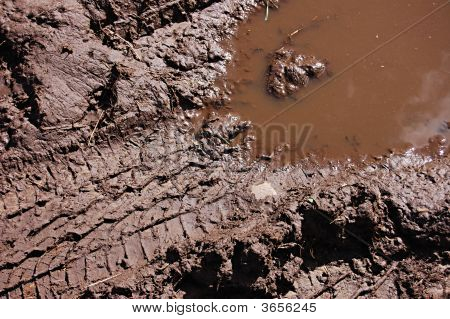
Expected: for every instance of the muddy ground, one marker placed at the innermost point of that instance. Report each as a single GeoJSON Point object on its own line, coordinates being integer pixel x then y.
{"type": "Point", "coordinates": [108, 190]}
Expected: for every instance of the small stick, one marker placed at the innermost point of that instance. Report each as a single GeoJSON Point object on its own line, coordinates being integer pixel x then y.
{"type": "Point", "coordinates": [267, 11]}
{"type": "Point", "coordinates": [302, 27]}
{"type": "Point", "coordinates": [103, 280]}
{"type": "Point", "coordinates": [268, 3]}
{"type": "Point", "coordinates": [376, 285]}
{"type": "Point", "coordinates": [136, 55]}
{"type": "Point", "coordinates": [295, 32]}
{"type": "Point", "coordinates": [62, 127]}
{"type": "Point", "coordinates": [329, 286]}
{"type": "Point", "coordinates": [95, 128]}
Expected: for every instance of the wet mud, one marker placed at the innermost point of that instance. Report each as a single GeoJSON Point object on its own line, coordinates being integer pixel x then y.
{"type": "Point", "coordinates": [288, 72]}
{"type": "Point", "coordinates": [386, 86]}
{"type": "Point", "coordinates": [112, 187]}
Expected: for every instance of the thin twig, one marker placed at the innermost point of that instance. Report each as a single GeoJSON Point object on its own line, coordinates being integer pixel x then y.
{"type": "Point", "coordinates": [136, 55]}
{"type": "Point", "coordinates": [313, 22]}
{"type": "Point", "coordinates": [267, 11]}
{"type": "Point", "coordinates": [295, 32]}
{"type": "Point", "coordinates": [63, 127]}
{"type": "Point", "coordinates": [268, 3]}
{"type": "Point", "coordinates": [103, 280]}
{"type": "Point", "coordinates": [329, 286]}
{"type": "Point", "coordinates": [376, 285]}
{"type": "Point", "coordinates": [95, 128]}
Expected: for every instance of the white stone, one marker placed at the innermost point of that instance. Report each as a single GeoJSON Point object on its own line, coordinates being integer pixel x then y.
{"type": "Point", "coordinates": [263, 190]}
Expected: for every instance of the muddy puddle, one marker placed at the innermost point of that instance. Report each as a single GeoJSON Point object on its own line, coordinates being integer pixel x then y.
{"type": "Point", "coordinates": [386, 88]}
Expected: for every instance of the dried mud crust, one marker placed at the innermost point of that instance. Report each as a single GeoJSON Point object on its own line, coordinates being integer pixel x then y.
{"type": "Point", "coordinates": [107, 190]}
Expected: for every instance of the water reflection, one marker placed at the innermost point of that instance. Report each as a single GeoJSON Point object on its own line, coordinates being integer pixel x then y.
{"type": "Point", "coordinates": [433, 101]}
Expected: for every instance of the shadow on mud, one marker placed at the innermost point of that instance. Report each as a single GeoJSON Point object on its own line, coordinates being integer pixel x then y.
{"type": "Point", "coordinates": [325, 242]}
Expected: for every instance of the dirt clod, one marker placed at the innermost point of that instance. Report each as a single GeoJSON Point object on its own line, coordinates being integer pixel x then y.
{"type": "Point", "coordinates": [289, 71]}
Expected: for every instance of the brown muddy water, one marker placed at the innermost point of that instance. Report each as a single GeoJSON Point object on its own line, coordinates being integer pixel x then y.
{"type": "Point", "coordinates": [387, 87]}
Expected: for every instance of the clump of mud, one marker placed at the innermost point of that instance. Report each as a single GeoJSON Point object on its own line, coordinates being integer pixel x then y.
{"type": "Point", "coordinates": [289, 71]}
